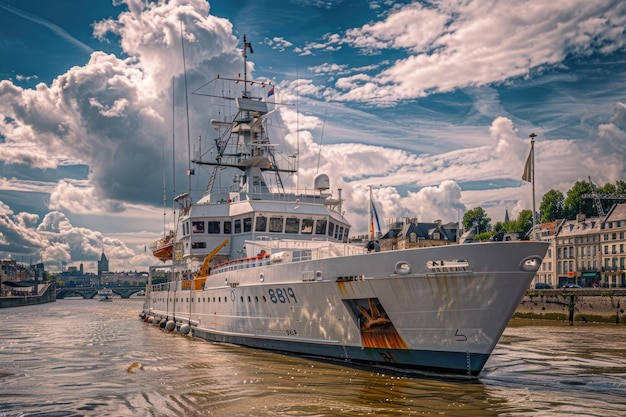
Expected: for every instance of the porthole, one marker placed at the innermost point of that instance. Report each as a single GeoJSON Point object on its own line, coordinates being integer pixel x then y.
{"type": "Point", "coordinates": [530, 263]}
{"type": "Point", "coordinates": [402, 268]}
{"type": "Point", "coordinates": [318, 275]}
{"type": "Point", "coordinates": [261, 277]}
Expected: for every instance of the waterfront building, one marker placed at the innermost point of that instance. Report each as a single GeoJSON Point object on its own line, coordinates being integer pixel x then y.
{"type": "Point", "coordinates": [113, 279]}
{"type": "Point", "coordinates": [409, 233]}
{"type": "Point", "coordinates": [545, 276]}
{"type": "Point", "coordinates": [103, 265]}
{"type": "Point", "coordinates": [578, 251]}
{"type": "Point", "coordinates": [613, 257]}
{"type": "Point", "coordinates": [587, 251]}
{"type": "Point", "coordinates": [76, 277]}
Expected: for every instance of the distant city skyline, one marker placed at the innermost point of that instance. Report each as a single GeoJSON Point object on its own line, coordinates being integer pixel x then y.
{"type": "Point", "coordinates": [431, 102]}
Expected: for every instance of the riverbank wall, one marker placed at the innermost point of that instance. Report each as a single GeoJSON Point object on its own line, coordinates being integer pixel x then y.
{"type": "Point", "coordinates": [574, 305]}
{"type": "Point", "coordinates": [46, 293]}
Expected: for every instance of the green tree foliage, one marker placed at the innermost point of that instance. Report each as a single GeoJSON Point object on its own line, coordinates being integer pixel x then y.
{"type": "Point", "coordinates": [479, 216]}
{"type": "Point", "coordinates": [524, 222]}
{"type": "Point", "coordinates": [552, 206]}
{"type": "Point", "coordinates": [575, 204]}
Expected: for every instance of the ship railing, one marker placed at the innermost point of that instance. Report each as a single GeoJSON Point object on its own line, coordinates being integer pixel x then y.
{"type": "Point", "coordinates": [275, 194]}
{"type": "Point", "coordinates": [288, 254]}
{"type": "Point", "coordinates": [242, 263]}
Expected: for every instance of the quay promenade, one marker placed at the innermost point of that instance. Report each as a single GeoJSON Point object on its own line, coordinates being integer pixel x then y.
{"type": "Point", "coordinates": [602, 305]}
{"type": "Point", "coordinates": [44, 293]}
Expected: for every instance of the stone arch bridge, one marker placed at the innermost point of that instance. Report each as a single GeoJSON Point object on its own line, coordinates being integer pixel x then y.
{"type": "Point", "coordinates": [90, 292]}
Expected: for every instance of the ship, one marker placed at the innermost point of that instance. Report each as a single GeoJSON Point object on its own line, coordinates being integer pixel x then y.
{"type": "Point", "coordinates": [104, 294]}
{"type": "Point", "coordinates": [258, 264]}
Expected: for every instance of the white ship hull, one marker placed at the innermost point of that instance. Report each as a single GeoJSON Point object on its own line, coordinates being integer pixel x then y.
{"type": "Point", "coordinates": [398, 309]}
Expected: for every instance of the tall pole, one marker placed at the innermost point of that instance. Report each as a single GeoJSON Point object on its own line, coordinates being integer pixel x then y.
{"type": "Point", "coordinates": [532, 167]}
{"type": "Point", "coordinates": [372, 233]}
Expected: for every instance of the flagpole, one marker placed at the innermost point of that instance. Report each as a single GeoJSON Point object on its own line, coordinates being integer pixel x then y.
{"type": "Point", "coordinates": [372, 235]}
{"type": "Point", "coordinates": [532, 167]}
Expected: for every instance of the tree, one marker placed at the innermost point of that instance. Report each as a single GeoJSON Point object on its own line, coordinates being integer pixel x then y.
{"type": "Point", "coordinates": [574, 203]}
{"type": "Point", "coordinates": [524, 221]}
{"type": "Point", "coordinates": [552, 206]}
{"type": "Point", "coordinates": [479, 217]}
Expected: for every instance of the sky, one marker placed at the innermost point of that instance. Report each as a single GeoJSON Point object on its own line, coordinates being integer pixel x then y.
{"type": "Point", "coordinates": [430, 103]}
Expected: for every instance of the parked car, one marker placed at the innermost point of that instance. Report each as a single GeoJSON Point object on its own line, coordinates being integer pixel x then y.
{"type": "Point", "coordinates": [543, 286]}
{"type": "Point", "coordinates": [571, 286]}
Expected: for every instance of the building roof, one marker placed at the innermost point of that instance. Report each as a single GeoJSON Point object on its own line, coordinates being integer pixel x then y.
{"type": "Point", "coordinates": [618, 212]}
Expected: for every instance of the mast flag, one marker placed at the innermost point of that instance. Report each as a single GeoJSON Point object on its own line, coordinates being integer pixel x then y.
{"type": "Point", "coordinates": [373, 215]}
{"type": "Point", "coordinates": [529, 176]}
{"type": "Point", "coordinates": [528, 172]}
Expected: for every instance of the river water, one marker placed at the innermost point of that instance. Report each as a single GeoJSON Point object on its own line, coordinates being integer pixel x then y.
{"type": "Point", "coordinates": [89, 358]}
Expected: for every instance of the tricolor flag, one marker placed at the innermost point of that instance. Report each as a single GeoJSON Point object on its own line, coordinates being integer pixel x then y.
{"type": "Point", "coordinates": [375, 216]}
{"type": "Point", "coordinates": [191, 171]}
{"type": "Point", "coordinates": [270, 93]}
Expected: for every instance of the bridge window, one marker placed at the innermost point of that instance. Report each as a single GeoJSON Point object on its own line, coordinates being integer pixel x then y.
{"type": "Point", "coordinates": [198, 245]}
{"type": "Point", "coordinates": [237, 226]}
{"type": "Point", "coordinates": [292, 225]}
{"type": "Point", "coordinates": [228, 227]}
{"type": "Point", "coordinates": [213, 227]}
{"type": "Point", "coordinates": [320, 227]}
{"type": "Point", "coordinates": [331, 229]}
{"type": "Point", "coordinates": [307, 226]}
{"type": "Point", "coordinates": [197, 227]}
{"type": "Point", "coordinates": [247, 225]}
{"type": "Point", "coordinates": [261, 224]}
{"type": "Point", "coordinates": [276, 224]}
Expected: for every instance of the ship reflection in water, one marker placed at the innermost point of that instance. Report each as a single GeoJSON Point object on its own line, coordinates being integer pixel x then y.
{"type": "Point", "coordinates": [113, 364]}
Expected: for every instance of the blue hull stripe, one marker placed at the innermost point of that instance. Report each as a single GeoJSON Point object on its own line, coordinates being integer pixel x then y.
{"type": "Point", "coordinates": [420, 361]}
